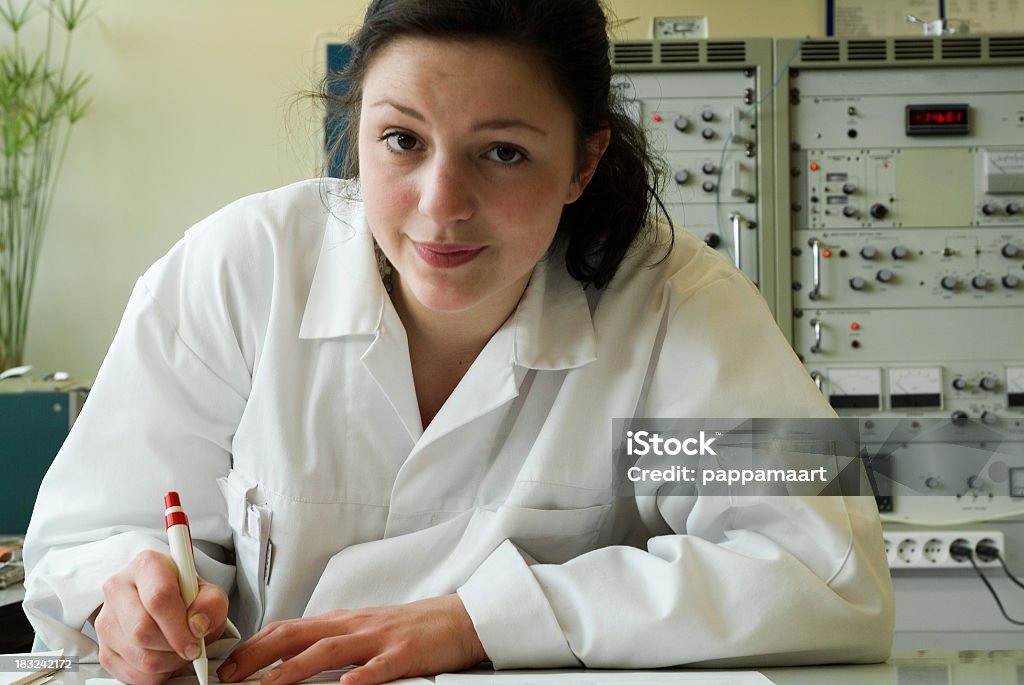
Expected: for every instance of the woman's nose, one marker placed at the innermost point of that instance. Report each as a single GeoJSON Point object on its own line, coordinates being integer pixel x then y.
{"type": "Point", "coordinates": [445, 193]}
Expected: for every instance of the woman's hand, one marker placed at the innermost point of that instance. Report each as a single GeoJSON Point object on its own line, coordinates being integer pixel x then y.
{"type": "Point", "coordinates": [145, 633]}
{"type": "Point", "coordinates": [422, 638]}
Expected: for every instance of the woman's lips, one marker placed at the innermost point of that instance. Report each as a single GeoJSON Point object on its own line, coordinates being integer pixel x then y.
{"type": "Point", "coordinates": [447, 255]}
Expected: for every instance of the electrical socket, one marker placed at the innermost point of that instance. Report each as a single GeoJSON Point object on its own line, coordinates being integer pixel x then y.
{"type": "Point", "coordinates": [918, 549]}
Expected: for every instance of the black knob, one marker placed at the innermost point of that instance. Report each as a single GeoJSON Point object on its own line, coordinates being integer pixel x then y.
{"type": "Point", "coordinates": [682, 176]}
{"type": "Point", "coordinates": [708, 186]}
{"type": "Point", "coordinates": [1011, 281]}
{"type": "Point", "coordinates": [959, 383]}
{"type": "Point", "coordinates": [849, 188]}
{"type": "Point", "coordinates": [849, 212]}
{"type": "Point", "coordinates": [868, 252]}
{"type": "Point", "coordinates": [988, 383]}
{"type": "Point", "coordinates": [707, 115]}
{"type": "Point", "coordinates": [682, 123]}
{"type": "Point", "coordinates": [857, 283]}
{"type": "Point", "coordinates": [988, 418]}
{"type": "Point", "coordinates": [707, 134]}
{"type": "Point", "coordinates": [959, 417]}
{"type": "Point", "coordinates": [988, 209]}
{"type": "Point", "coordinates": [884, 275]}
{"type": "Point", "coordinates": [1009, 250]}
{"type": "Point", "coordinates": [713, 239]}
{"type": "Point", "coordinates": [708, 167]}
{"type": "Point", "coordinates": [949, 282]}
{"type": "Point", "coordinates": [899, 252]}
{"type": "Point", "coordinates": [1013, 208]}
{"type": "Point", "coordinates": [879, 211]}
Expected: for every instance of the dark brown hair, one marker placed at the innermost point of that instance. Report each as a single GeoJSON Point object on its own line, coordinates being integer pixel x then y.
{"type": "Point", "coordinates": [570, 37]}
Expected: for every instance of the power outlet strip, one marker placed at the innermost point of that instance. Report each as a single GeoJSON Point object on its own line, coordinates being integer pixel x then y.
{"type": "Point", "coordinates": [918, 549]}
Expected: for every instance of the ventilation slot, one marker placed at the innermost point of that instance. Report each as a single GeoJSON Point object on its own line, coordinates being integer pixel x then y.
{"type": "Point", "coordinates": [820, 51]}
{"type": "Point", "coordinates": [961, 48]}
{"type": "Point", "coordinates": [914, 49]}
{"type": "Point", "coordinates": [721, 51]}
{"type": "Point", "coordinates": [866, 50]}
{"type": "Point", "coordinates": [633, 53]}
{"type": "Point", "coordinates": [675, 53]}
{"type": "Point", "coordinates": [1008, 46]}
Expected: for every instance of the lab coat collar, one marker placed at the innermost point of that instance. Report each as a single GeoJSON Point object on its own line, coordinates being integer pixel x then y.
{"type": "Point", "coordinates": [346, 296]}
{"type": "Point", "coordinates": [552, 325]}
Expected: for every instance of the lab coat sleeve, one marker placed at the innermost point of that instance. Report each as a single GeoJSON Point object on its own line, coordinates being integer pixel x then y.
{"type": "Point", "coordinates": [160, 417]}
{"type": "Point", "coordinates": [744, 581]}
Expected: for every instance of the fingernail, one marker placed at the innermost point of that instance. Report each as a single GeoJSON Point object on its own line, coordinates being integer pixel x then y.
{"type": "Point", "coordinates": [226, 670]}
{"type": "Point", "coordinates": [192, 652]}
{"type": "Point", "coordinates": [269, 678]}
{"type": "Point", "coordinates": [200, 624]}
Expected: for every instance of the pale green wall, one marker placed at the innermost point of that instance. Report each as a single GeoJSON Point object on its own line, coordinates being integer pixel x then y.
{"type": "Point", "coordinates": [194, 105]}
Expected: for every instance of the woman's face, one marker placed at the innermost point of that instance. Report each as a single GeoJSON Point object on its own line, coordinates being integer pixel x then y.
{"type": "Point", "coordinates": [466, 158]}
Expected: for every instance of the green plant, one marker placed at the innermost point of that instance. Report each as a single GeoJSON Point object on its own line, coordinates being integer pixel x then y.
{"type": "Point", "coordinates": [40, 100]}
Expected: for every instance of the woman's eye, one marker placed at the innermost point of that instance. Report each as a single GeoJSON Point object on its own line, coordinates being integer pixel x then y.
{"type": "Point", "coordinates": [505, 155]}
{"type": "Point", "coordinates": [400, 142]}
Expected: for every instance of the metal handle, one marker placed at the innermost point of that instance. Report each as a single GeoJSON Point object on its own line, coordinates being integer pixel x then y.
{"type": "Point", "coordinates": [736, 220]}
{"type": "Point", "coordinates": [816, 347]}
{"type": "Point", "coordinates": [816, 377]}
{"type": "Point", "coordinates": [816, 268]}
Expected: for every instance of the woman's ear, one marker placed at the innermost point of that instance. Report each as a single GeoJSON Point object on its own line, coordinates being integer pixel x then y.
{"type": "Point", "coordinates": [593, 150]}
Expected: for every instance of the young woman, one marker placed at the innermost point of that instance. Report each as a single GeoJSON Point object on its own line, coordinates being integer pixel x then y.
{"type": "Point", "coordinates": [388, 403]}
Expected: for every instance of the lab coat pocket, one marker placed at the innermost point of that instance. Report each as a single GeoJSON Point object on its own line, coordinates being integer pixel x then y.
{"type": "Point", "coordinates": [249, 517]}
{"type": "Point", "coordinates": [553, 536]}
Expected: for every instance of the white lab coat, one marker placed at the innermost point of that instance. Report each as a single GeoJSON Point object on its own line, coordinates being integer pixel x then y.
{"type": "Point", "coordinates": [261, 371]}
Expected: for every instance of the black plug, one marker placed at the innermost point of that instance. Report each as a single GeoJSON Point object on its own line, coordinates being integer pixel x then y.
{"type": "Point", "coordinates": [960, 550]}
{"type": "Point", "coordinates": [987, 550]}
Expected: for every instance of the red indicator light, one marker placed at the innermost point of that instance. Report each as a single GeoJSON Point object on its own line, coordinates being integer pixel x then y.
{"type": "Point", "coordinates": [657, 117]}
{"type": "Point", "coordinates": [854, 326]}
{"type": "Point", "coordinates": [814, 166]}
{"type": "Point", "coordinates": [827, 253]}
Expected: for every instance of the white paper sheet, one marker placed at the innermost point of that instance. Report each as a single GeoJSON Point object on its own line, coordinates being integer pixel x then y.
{"type": "Point", "coordinates": [605, 678]}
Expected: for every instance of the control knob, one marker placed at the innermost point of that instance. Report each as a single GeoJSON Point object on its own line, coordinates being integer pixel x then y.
{"type": "Point", "coordinates": [682, 176]}
{"type": "Point", "coordinates": [850, 212]}
{"type": "Point", "coordinates": [682, 123]}
{"type": "Point", "coordinates": [900, 252]}
{"type": "Point", "coordinates": [989, 418]}
{"type": "Point", "coordinates": [713, 239]}
{"type": "Point", "coordinates": [1011, 281]}
{"type": "Point", "coordinates": [959, 417]}
{"type": "Point", "coordinates": [949, 282]}
{"type": "Point", "coordinates": [1013, 208]}
{"type": "Point", "coordinates": [707, 115]}
{"type": "Point", "coordinates": [708, 167]}
{"type": "Point", "coordinates": [980, 282]}
{"type": "Point", "coordinates": [857, 283]}
{"type": "Point", "coordinates": [879, 211]}
{"type": "Point", "coordinates": [1009, 250]}
{"type": "Point", "coordinates": [884, 275]}
{"type": "Point", "coordinates": [708, 186]}
{"type": "Point", "coordinates": [959, 383]}
{"type": "Point", "coordinates": [708, 133]}
{"type": "Point", "coordinates": [988, 383]}
{"type": "Point", "coordinates": [988, 209]}
{"type": "Point", "coordinates": [868, 252]}
{"type": "Point", "coordinates": [849, 188]}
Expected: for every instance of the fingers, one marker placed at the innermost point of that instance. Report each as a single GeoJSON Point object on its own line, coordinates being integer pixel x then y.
{"type": "Point", "coordinates": [380, 669]}
{"type": "Point", "coordinates": [208, 613]}
{"type": "Point", "coordinates": [324, 655]}
{"type": "Point", "coordinates": [275, 641]}
{"type": "Point", "coordinates": [156, 579]}
{"type": "Point", "coordinates": [143, 668]}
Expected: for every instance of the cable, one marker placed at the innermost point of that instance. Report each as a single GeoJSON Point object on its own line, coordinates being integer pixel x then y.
{"type": "Point", "coordinates": [1006, 569]}
{"type": "Point", "coordinates": [992, 590]}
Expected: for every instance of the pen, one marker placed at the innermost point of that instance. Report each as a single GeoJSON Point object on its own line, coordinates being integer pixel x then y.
{"type": "Point", "coordinates": [180, 539]}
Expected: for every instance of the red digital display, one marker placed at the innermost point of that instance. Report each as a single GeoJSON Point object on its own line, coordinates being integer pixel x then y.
{"type": "Point", "coordinates": [938, 120]}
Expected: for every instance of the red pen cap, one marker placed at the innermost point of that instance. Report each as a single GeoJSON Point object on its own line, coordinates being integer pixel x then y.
{"type": "Point", "coordinates": [175, 518]}
{"type": "Point", "coordinates": [171, 500]}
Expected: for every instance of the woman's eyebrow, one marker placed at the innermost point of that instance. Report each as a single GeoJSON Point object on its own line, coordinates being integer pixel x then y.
{"type": "Point", "coordinates": [489, 125]}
